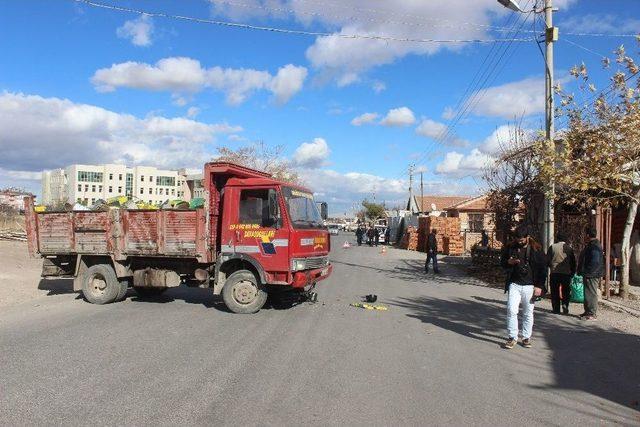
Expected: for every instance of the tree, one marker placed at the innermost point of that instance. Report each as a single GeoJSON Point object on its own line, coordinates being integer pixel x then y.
{"type": "Point", "coordinates": [259, 156]}
{"type": "Point", "coordinates": [373, 211]}
{"type": "Point", "coordinates": [513, 183]}
{"type": "Point", "coordinates": [598, 159]}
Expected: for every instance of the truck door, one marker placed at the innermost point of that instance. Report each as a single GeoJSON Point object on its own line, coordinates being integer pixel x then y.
{"type": "Point", "coordinates": [260, 230]}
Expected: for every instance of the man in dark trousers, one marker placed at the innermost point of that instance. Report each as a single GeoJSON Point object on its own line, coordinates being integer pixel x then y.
{"type": "Point", "coordinates": [376, 235]}
{"type": "Point", "coordinates": [562, 263]}
{"type": "Point", "coordinates": [484, 239]}
{"type": "Point", "coordinates": [359, 234]}
{"type": "Point", "coordinates": [526, 270]}
{"type": "Point", "coordinates": [591, 268]}
{"type": "Point", "coordinates": [370, 235]}
{"type": "Point", "coordinates": [432, 251]}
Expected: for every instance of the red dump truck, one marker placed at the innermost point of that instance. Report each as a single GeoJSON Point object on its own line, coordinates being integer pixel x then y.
{"type": "Point", "coordinates": [253, 236]}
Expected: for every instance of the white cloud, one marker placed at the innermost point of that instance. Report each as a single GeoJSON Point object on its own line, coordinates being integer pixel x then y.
{"type": "Point", "coordinates": [378, 86]}
{"type": "Point", "coordinates": [512, 100]}
{"type": "Point", "coordinates": [312, 154]}
{"type": "Point", "coordinates": [365, 118]}
{"type": "Point", "coordinates": [38, 133]}
{"type": "Point", "coordinates": [598, 23]}
{"type": "Point", "coordinates": [138, 30]}
{"type": "Point", "coordinates": [448, 113]}
{"type": "Point", "coordinates": [459, 165]}
{"type": "Point", "coordinates": [431, 129]}
{"type": "Point", "coordinates": [192, 112]}
{"type": "Point", "coordinates": [287, 82]}
{"type": "Point", "coordinates": [186, 75]}
{"type": "Point", "coordinates": [503, 137]}
{"type": "Point", "coordinates": [402, 116]}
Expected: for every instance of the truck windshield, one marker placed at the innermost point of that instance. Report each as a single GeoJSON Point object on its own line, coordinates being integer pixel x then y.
{"type": "Point", "coordinates": [302, 209]}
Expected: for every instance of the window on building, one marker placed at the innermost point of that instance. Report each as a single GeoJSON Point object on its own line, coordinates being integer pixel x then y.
{"type": "Point", "coordinates": [161, 191]}
{"type": "Point", "coordinates": [110, 189]}
{"type": "Point", "coordinates": [142, 178]}
{"type": "Point", "coordinates": [150, 179]}
{"type": "Point", "coordinates": [89, 176]}
{"type": "Point", "coordinates": [120, 177]}
{"type": "Point", "coordinates": [93, 188]}
{"type": "Point", "coordinates": [86, 187]}
{"type": "Point", "coordinates": [168, 181]}
{"type": "Point", "coordinates": [100, 188]}
{"type": "Point", "coordinates": [173, 191]}
{"type": "Point", "coordinates": [93, 201]}
{"type": "Point", "coordinates": [476, 222]}
{"type": "Point", "coordinates": [142, 191]}
{"type": "Point", "coordinates": [79, 187]}
{"type": "Point", "coordinates": [150, 191]}
{"type": "Point", "coordinates": [119, 190]}
{"type": "Point", "coordinates": [110, 176]}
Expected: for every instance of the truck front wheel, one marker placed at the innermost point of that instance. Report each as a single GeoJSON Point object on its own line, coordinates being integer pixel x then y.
{"type": "Point", "coordinates": [101, 286]}
{"type": "Point", "coordinates": [242, 293]}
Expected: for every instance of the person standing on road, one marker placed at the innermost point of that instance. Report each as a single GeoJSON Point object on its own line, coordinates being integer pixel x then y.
{"type": "Point", "coordinates": [527, 275]}
{"type": "Point", "coordinates": [591, 268]}
{"type": "Point", "coordinates": [562, 263]}
{"type": "Point", "coordinates": [432, 251]}
{"type": "Point", "coordinates": [359, 235]}
{"type": "Point", "coordinates": [376, 235]}
{"type": "Point", "coordinates": [370, 235]}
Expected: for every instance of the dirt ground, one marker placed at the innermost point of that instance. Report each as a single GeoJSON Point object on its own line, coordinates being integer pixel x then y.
{"type": "Point", "coordinates": [19, 274]}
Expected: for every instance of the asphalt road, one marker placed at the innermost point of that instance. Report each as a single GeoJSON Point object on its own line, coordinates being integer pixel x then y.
{"type": "Point", "coordinates": [434, 358]}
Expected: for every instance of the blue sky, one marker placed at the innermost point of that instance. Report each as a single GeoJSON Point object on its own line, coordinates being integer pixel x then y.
{"type": "Point", "coordinates": [80, 84]}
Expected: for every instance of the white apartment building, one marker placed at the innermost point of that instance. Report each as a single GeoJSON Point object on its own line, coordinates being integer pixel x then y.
{"type": "Point", "coordinates": [87, 183]}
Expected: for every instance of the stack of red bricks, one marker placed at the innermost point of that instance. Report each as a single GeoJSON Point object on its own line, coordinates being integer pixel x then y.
{"type": "Point", "coordinates": [448, 234]}
{"type": "Point", "coordinates": [409, 239]}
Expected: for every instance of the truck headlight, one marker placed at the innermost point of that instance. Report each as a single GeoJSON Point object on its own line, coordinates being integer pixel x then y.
{"type": "Point", "coordinates": [298, 264]}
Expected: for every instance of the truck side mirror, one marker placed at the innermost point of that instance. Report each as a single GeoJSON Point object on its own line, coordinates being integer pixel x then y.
{"type": "Point", "coordinates": [274, 208]}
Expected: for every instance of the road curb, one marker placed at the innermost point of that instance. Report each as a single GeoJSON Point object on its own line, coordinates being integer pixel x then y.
{"type": "Point", "coordinates": [619, 308]}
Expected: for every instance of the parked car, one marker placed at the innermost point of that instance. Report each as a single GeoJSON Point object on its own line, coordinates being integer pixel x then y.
{"type": "Point", "coordinates": [334, 229]}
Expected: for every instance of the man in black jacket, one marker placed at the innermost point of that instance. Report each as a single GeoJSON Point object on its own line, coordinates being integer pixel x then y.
{"type": "Point", "coordinates": [526, 270]}
{"type": "Point", "coordinates": [432, 251]}
{"type": "Point", "coordinates": [591, 268]}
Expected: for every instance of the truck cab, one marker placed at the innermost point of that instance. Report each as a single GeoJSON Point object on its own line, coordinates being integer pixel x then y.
{"type": "Point", "coordinates": [276, 228]}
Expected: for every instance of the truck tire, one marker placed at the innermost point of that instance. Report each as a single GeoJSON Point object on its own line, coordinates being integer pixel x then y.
{"type": "Point", "coordinates": [243, 293]}
{"type": "Point", "coordinates": [145, 292]}
{"type": "Point", "coordinates": [100, 284]}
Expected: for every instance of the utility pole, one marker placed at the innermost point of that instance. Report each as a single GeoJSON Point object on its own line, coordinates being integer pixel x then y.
{"type": "Point", "coordinates": [410, 185]}
{"type": "Point", "coordinates": [551, 35]}
{"type": "Point", "coordinates": [421, 188]}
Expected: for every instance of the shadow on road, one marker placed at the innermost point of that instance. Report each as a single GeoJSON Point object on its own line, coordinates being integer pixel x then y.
{"type": "Point", "coordinates": [585, 357]}
{"type": "Point", "coordinates": [56, 286]}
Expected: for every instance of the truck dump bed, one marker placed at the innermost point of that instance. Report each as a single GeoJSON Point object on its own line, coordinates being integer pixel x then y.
{"type": "Point", "coordinates": [118, 232]}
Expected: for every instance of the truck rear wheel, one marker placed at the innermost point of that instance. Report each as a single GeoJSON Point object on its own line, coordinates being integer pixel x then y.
{"type": "Point", "coordinates": [242, 293]}
{"type": "Point", "coordinates": [148, 292]}
{"type": "Point", "coordinates": [101, 286]}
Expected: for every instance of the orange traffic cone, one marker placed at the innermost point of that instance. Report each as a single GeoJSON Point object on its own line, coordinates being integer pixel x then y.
{"type": "Point", "coordinates": [384, 250]}
{"type": "Point", "coordinates": [346, 245]}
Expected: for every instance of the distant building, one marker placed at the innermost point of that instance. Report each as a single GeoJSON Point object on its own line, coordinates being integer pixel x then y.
{"type": "Point", "coordinates": [13, 198]}
{"type": "Point", "coordinates": [87, 183]}
{"type": "Point", "coordinates": [433, 205]}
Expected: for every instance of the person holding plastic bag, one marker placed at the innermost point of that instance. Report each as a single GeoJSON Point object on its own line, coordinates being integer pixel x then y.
{"type": "Point", "coordinates": [562, 263]}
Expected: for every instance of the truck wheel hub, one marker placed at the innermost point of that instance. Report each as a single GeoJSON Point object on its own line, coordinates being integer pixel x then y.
{"type": "Point", "coordinates": [98, 284]}
{"type": "Point", "coordinates": [245, 292]}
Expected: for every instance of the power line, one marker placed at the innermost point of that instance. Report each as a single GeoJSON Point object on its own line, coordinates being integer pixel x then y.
{"type": "Point", "coordinates": [292, 31]}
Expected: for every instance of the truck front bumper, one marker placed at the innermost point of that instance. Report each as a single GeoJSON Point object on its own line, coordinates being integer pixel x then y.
{"type": "Point", "coordinates": [305, 278]}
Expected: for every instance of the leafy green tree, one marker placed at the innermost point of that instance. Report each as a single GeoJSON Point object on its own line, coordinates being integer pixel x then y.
{"type": "Point", "coordinates": [373, 211]}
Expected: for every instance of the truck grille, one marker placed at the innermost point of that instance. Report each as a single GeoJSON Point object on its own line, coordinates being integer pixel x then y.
{"type": "Point", "coordinates": [317, 262]}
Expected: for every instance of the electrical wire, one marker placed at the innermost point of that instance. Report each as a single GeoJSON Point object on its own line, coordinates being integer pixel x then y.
{"type": "Point", "coordinates": [292, 31]}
